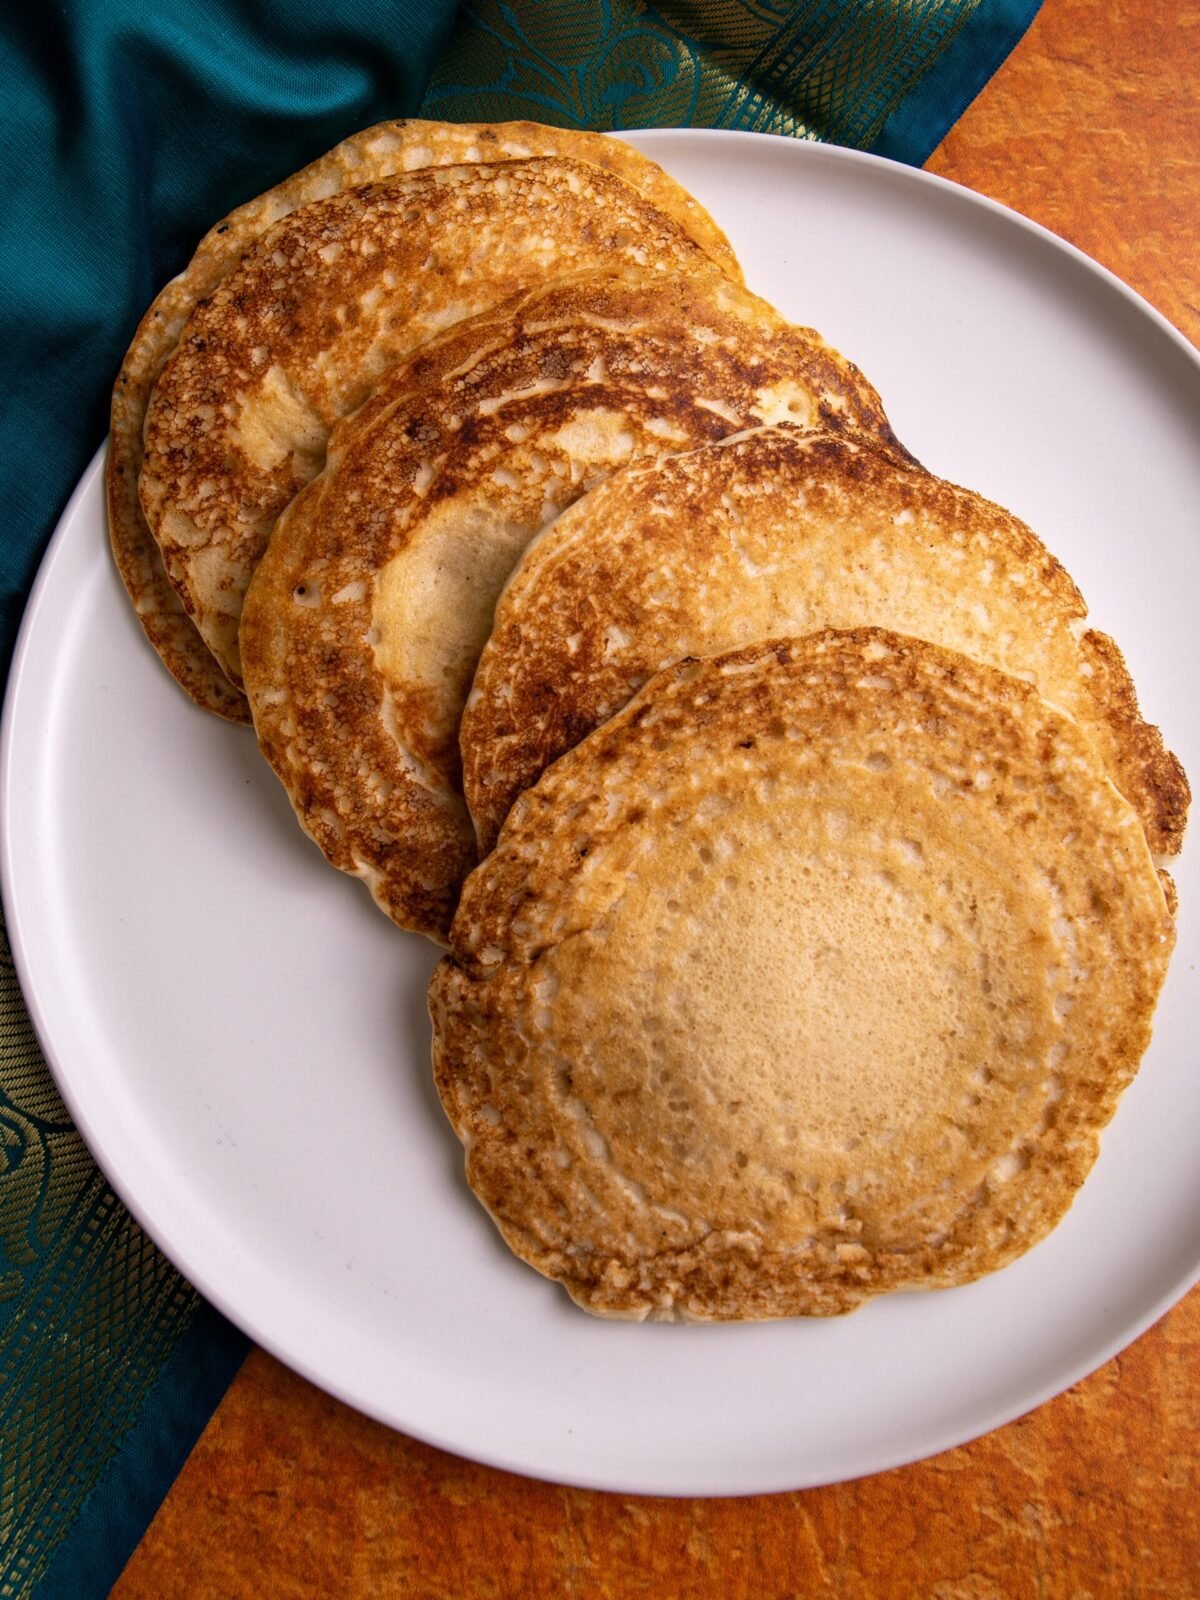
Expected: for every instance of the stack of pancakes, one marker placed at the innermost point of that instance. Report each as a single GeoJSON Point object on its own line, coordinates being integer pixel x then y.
{"type": "Point", "coordinates": [797, 842]}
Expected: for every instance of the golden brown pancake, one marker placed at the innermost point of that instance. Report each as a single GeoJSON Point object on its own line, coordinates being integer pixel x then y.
{"type": "Point", "coordinates": [298, 334]}
{"type": "Point", "coordinates": [375, 153]}
{"type": "Point", "coordinates": [813, 974]}
{"type": "Point", "coordinates": [365, 619]}
{"type": "Point", "coordinates": [778, 532]}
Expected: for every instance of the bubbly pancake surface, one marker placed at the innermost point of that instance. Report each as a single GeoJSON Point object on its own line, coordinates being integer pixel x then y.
{"type": "Point", "coordinates": [779, 532]}
{"type": "Point", "coordinates": [375, 153]}
{"type": "Point", "coordinates": [300, 331]}
{"type": "Point", "coordinates": [366, 616]}
{"type": "Point", "coordinates": [811, 975]}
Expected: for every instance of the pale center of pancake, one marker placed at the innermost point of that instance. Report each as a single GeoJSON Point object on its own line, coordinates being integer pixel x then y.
{"type": "Point", "coordinates": [433, 611]}
{"type": "Point", "coordinates": [850, 988]}
{"type": "Point", "coordinates": [435, 599]}
{"type": "Point", "coordinates": [864, 1011]}
{"type": "Point", "coordinates": [277, 423]}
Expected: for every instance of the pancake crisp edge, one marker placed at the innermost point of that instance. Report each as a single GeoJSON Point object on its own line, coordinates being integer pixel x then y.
{"type": "Point", "coordinates": [811, 975]}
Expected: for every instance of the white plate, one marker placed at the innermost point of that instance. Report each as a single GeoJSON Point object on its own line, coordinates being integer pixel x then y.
{"type": "Point", "coordinates": [242, 1037]}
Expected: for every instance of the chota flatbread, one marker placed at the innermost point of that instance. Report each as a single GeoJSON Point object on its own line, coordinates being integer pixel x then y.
{"type": "Point", "coordinates": [813, 974]}
{"type": "Point", "coordinates": [375, 153]}
{"type": "Point", "coordinates": [366, 616]}
{"type": "Point", "coordinates": [781, 533]}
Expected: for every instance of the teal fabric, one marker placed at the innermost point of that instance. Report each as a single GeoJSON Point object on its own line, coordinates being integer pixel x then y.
{"type": "Point", "coordinates": [96, 1546]}
{"type": "Point", "coordinates": [919, 124]}
{"type": "Point", "coordinates": [888, 76]}
{"type": "Point", "coordinates": [126, 128]}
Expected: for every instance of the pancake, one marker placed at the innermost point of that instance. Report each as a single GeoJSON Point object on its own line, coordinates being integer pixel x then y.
{"type": "Point", "coordinates": [813, 974]}
{"type": "Point", "coordinates": [781, 533]}
{"type": "Point", "coordinates": [375, 153]}
{"type": "Point", "coordinates": [300, 332]}
{"type": "Point", "coordinates": [366, 616]}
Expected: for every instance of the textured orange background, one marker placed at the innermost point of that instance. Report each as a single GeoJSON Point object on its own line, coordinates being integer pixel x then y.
{"type": "Point", "coordinates": [1093, 128]}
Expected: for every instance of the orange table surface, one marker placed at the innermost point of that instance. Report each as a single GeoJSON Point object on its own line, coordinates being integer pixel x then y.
{"type": "Point", "coordinates": [1092, 127]}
